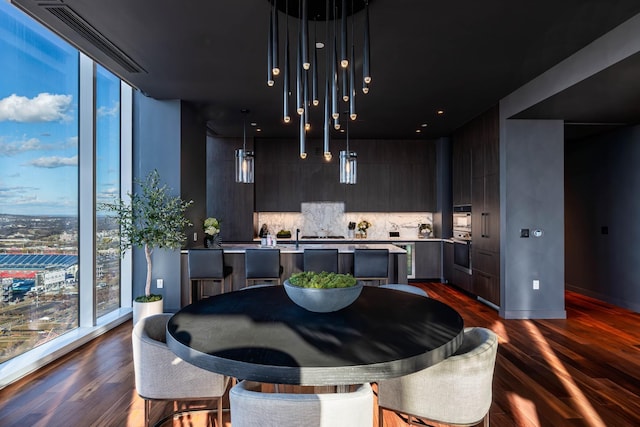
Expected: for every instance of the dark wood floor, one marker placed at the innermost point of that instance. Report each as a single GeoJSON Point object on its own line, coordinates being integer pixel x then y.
{"type": "Point", "coordinates": [582, 371]}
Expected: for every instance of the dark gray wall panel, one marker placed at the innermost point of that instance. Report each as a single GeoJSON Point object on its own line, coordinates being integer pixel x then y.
{"type": "Point", "coordinates": [156, 145]}
{"type": "Point", "coordinates": [193, 167]}
{"type": "Point", "coordinates": [533, 198]}
{"type": "Point", "coordinates": [602, 186]}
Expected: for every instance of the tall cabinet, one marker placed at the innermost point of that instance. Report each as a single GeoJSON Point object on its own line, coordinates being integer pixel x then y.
{"type": "Point", "coordinates": [485, 200]}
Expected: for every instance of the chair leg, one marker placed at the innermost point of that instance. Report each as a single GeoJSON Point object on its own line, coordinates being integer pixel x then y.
{"type": "Point", "coordinates": [147, 411]}
{"type": "Point", "coordinates": [380, 417]}
{"type": "Point", "coordinates": [485, 421]}
{"type": "Point", "coordinates": [220, 412]}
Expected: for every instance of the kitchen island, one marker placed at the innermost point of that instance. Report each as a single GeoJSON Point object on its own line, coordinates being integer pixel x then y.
{"type": "Point", "coordinates": [291, 260]}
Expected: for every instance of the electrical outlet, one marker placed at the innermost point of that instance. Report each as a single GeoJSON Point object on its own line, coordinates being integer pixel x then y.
{"type": "Point", "coordinates": [159, 283]}
{"type": "Point", "coordinates": [195, 236]}
{"type": "Point", "coordinates": [536, 284]}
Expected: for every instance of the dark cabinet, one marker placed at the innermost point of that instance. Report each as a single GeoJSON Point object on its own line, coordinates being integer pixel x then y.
{"type": "Point", "coordinates": [447, 261]}
{"type": "Point", "coordinates": [392, 176]}
{"type": "Point", "coordinates": [485, 216]}
{"type": "Point", "coordinates": [371, 192]}
{"type": "Point", "coordinates": [230, 202]}
{"type": "Point", "coordinates": [461, 169]}
{"type": "Point", "coordinates": [486, 275]}
{"type": "Point", "coordinates": [428, 260]}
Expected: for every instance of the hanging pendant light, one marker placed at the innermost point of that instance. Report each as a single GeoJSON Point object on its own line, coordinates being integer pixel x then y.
{"type": "Point", "coordinates": [270, 81]}
{"type": "Point", "coordinates": [303, 137]}
{"type": "Point", "coordinates": [335, 112]}
{"type": "Point", "coordinates": [314, 68]}
{"type": "Point", "coordinates": [366, 62]}
{"type": "Point", "coordinates": [327, 91]}
{"type": "Point", "coordinates": [274, 41]}
{"type": "Point", "coordinates": [348, 164]}
{"type": "Point", "coordinates": [304, 35]}
{"type": "Point", "coordinates": [244, 158]}
{"type": "Point", "coordinates": [352, 74]}
{"type": "Point", "coordinates": [286, 84]}
{"type": "Point", "coordinates": [337, 62]}
{"type": "Point", "coordinates": [344, 57]}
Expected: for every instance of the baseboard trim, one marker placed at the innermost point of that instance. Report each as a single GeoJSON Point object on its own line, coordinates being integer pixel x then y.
{"type": "Point", "coordinates": [533, 314]}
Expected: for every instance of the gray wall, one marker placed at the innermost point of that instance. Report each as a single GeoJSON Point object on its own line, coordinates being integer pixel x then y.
{"type": "Point", "coordinates": [156, 145]}
{"type": "Point", "coordinates": [193, 167]}
{"type": "Point", "coordinates": [532, 196]}
{"type": "Point", "coordinates": [602, 188]}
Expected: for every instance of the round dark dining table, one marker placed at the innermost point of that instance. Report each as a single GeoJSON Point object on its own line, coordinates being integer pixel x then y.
{"type": "Point", "coordinates": [261, 335]}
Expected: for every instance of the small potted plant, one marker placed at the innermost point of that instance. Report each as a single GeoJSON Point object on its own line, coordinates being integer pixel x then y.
{"type": "Point", "coordinates": [363, 226]}
{"type": "Point", "coordinates": [212, 233]}
{"type": "Point", "coordinates": [322, 292]}
{"type": "Point", "coordinates": [150, 219]}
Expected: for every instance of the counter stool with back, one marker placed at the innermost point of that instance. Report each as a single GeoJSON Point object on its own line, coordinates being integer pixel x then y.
{"type": "Point", "coordinates": [371, 265]}
{"type": "Point", "coordinates": [207, 265]}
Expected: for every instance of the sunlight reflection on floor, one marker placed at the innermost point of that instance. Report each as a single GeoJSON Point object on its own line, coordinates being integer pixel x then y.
{"type": "Point", "coordinates": [583, 405]}
{"type": "Point", "coordinates": [524, 411]}
{"type": "Point", "coordinates": [498, 328]}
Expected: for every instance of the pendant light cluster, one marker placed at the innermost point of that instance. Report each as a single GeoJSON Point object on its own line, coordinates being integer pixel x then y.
{"type": "Point", "coordinates": [340, 68]}
{"type": "Point", "coordinates": [244, 157]}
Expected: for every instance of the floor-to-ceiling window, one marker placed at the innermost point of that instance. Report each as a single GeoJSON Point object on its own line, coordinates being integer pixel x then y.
{"type": "Point", "coordinates": [107, 105]}
{"type": "Point", "coordinates": [41, 148]}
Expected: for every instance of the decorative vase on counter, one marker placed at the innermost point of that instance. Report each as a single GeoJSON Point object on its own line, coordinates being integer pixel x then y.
{"type": "Point", "coordinates": [212, 242]}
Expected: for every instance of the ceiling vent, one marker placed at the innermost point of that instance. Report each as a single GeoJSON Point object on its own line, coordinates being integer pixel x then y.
{"type": "Point", "coordinates": [78, 24]}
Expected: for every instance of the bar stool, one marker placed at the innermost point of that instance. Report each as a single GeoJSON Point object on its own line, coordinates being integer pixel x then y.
{"type": "Point", "coordinates": [320, 260]}
{"type": "Point", "coordinates": [207, 265]}
{"type": "Point", "coordinates": [371, 264]}
{"type": "Point", "coordinates": [262, 264]}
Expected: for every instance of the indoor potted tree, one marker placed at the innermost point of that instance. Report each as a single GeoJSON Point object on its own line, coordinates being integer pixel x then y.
{"type": "Point", "coordinates": [150, 219]}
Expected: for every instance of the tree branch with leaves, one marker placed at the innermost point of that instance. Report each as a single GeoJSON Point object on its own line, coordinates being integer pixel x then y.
{"type": "Point", "coordinates": [150, 218]}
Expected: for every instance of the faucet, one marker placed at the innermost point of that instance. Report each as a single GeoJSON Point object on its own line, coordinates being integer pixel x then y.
{"type": "Point", "coordinates": [297, 236]}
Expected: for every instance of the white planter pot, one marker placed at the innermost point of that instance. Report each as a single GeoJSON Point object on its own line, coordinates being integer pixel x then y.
{"type": "Point", "coordinates": [144, 309]}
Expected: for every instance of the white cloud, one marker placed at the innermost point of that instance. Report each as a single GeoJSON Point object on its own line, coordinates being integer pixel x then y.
{"type": "Point", "coordinates": [104, 111]}
{"type": "Point", "coordinates": [45, 107]}
{"type": "Point", "coordinates": [12, 148]}
{"type": "Point", "coordinates": [9, 149]}
{"type": "Point", "coordinates": [54, 162]}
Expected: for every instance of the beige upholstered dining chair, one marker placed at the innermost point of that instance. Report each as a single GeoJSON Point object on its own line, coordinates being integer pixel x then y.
{"type": "Point", "coordinates": [456, 391]}
{"type": "Point", "coordinates": [255, 409]}
{"type": "Point", "coordinates": [161, 375]}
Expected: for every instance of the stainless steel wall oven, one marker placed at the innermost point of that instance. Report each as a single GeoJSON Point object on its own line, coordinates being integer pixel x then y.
{"type": "Point", "coordinates": [462, 238]}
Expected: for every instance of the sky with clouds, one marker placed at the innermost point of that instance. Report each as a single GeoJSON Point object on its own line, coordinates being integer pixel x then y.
{"type": "Point", "coordinates": [39, 120]}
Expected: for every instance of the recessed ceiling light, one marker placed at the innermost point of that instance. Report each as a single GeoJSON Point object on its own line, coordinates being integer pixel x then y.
{"type": "Point", "coordinates": [424, 125]}
{"type": "Point", "coordinates": [440, 112]}
{"type": "Point", "coordinates": [258, 130]}
{"type": "Point", "coordinates": [254, 124]}
{"type": "Point", "coordinates": [319, 45]}
{"type": "Point", "coordinates": [418, 131]}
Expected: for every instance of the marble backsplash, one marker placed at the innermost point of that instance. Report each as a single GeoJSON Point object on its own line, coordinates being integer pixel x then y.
{"type": "Point", "coordinates": [329, 218]}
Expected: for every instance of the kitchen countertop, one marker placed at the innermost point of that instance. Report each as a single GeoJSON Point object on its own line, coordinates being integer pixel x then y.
{"type": "Point", "coordinates": [339, 244]}
{"type": "Point", "coordinates": [359, 241]}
